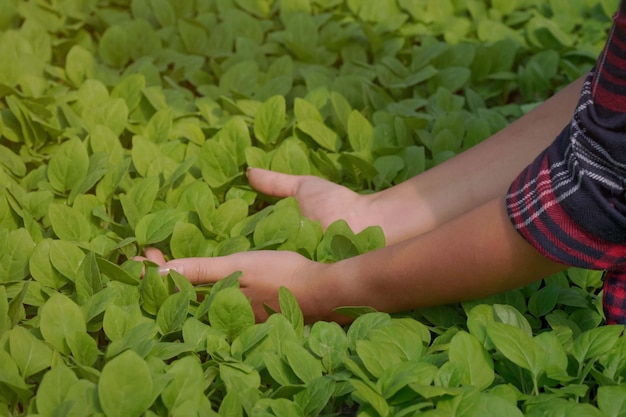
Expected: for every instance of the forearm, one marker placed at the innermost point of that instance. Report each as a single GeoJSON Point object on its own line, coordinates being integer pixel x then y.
{"type": "Point", "coordinates": [474, 255]}
{"type": "Point", "coordinates": [475, 176]}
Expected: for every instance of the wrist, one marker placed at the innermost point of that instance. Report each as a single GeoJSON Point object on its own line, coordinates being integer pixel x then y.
{"type": "Point", "coordinates": [329, 288]}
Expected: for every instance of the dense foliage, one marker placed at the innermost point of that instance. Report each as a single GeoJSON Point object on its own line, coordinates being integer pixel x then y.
{"type": "Point", "coordinates": [130, 123]}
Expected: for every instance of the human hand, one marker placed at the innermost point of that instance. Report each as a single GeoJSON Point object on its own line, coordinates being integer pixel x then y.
{"type": "Point", "coordinates": [263, 273]}
{"type": "Point", "coordinates": [318, 198]}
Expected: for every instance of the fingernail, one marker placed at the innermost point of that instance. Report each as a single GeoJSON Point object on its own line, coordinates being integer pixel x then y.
{"type": "Point", "coordinates": [164, 271]}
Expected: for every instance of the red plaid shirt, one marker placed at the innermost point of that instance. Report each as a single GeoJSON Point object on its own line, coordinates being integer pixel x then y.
{"type": "Point", "coordinates": [570, 203]}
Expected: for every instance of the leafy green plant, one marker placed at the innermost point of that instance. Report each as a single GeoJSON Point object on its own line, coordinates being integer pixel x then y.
{"type": "Point", "coordinates": [126, 124]}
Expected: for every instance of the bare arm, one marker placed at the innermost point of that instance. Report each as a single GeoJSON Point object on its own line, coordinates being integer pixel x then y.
{"type": "Point", "coordinates": [439, 194]}
{"type": "Point", "coordinates": [477, 254]}
{"type": "Point", "coordinates": [474, 255]}
{"type": "Point", "coordinates": [475, 176]}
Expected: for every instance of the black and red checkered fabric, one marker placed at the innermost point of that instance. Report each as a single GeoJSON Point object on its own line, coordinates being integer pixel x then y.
{"type": "Point", "coordinates": [570, 203]}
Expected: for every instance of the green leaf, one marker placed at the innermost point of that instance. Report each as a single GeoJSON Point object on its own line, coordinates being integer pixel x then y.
{"type": "Point", "coordinates": [125, 386]}
{"type": "Point", "coordinates": [466, 352]}
{"type": "Point", "coordinates": [290, 308]}
{"type": "Point", "coordinates": [231, 312]}
{"type": "Point", "coordinates": [54, 387]}
{"type": "Point", "coordinates": [240, 79]}
{"type": "Point", "coordinates": [153, 291]}
{"type": "Point", "coordinates": [194, 35]}
{"type": "Point", "coordinates": [279, 369]}
{"type": "Point", "coordinates": [612, 400]}
{"type": "Point", "coordinates": [66, 257]}
{"type": "Point", "coordinates": [158, 226]}
{"type": "Point", "coordinates": [510, 315]}
{"type": "Point", "coordinates": [114, 47]}
{"type": "Point", "coordinates": [186, 383]}
{"type": "Point", "coordinates": [173, 312]}
{"type": "Point", "coordinates": [302, 362]}
{"type": "Point", "coordinates": [320, 133]}
{"type": "Point", "coordinates": [140, 198]}
{"type": "Point", "coordinates": [517, 346]}
{"type": "Point", "coordinates": [218, 165]}
{"type": "Point", "coordinates": [84, 348]}
{"type": "Point", "coordinates": [596, 342]}
{"type": "Point", "coordinates": [151, 160]}
{"type": "Point", "coordinates": [15, 249]}
{"type": "Point", "coordinates": [543, 301]}
{"type": "Point", "coordinates": [360, 132]}
{"type": "Point", "coordinates": [329, 342]}
{"type": "Point", "coordinates": [68, 166]}
{"type": "Point", "coordinates": [115, 272]}
{"type": "Point", "coordinates": [315, 397]}
{"type": "Point", "coordinates": [270, 120]}
{"type": "Point", "coordinates": [395, 379]}
{"type": "Point", "coordinates": [364, 394]}
{"type": "Point", "coordinates": [30, 354]}
{"type": "Point", "coordinates": [68, 223]}
{"type": "Point", "coordinates": [79, 65]}
{"type": "Point", "coordinates": [12, 162]}
{"type": "Point", "coordinates": [291, 158]}
{"type": "Point", "coordinates": [188, 241]}
{"type": "Point", "coordinates": [5, 320]}
{"type": "Point", "coordinates": [60, 317]}
{"type": "Point", "coordinates": [228, 214]}
{"type": "Point", "coordinates": [556, 356]}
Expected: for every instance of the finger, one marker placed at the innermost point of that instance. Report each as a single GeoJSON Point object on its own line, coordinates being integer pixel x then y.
{"type": "Point", "coordinates": [202, 270]}
{"type": "Point", "coordinates": [273, 183]}
{"type": "Point", "coordinates": [154, 255]}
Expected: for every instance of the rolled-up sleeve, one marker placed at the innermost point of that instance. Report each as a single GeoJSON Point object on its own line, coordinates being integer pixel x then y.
{"type": "Point", "coordinates": [570, 203]}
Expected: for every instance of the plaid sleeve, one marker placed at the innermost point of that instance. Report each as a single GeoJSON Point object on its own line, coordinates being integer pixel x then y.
{"type": "Point", "coordinates": [570, 203]}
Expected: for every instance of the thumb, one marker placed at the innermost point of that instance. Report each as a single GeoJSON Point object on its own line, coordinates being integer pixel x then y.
{"type": "Point", "coordinates": [274, 183]}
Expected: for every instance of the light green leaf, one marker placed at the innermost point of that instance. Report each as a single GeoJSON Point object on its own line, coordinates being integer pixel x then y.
{"type": "Point", "coordinates": [15, 249]}
{"type": "Point", "coordinates": [279, 226]}
{"type": "Point", "coordinates": [54, 387]}
{"type": "Point", "coordinates": [84, 348]}
{"type": "Point", "coordinates": [69, 223]}
{"type": "Point", "coordinates": [228, 215]}
{"type": "Point", "coordinates": [218, 165]}
{"type": "Point", "coordinates": [612, 400]}
{"type": "Point", "coordinates": [231, 312]}
{"type": "Point", "coordinates": [114, 47]}
{"type": "Point", "coordinates": [329, 342]}
{"type": "Point", "coordinates": [596, 342]}
{"type": "Point", "coordinates": [79, 65]}
{"type": "Point", "coordinates": [125, 386]}
{"type": "Point", "coordinates": [30, 354]}
{"type": "Point", "coordinates": [290, 308]}
{"type": "Point", "coordinates": [364, 394]}
{"type": "Point", "coordinates": [320, 133]}
{"type": "Point", "coordinates": [186, 383]}
{"type": "Point", "coordinates": [466, 352]}
{"type": "Point", "coordinates": [517, 346]}
{"type": "Point", "coordinates": [158, 226]}
{"type": "Point", "coordinates": [68, 166]}
{"type": "Point", "coordinates": [360, 132]}
{"type": "Point", "coordinates": [291, 158]}
{"type": "Point", "coordinates": [188, 241]}
{"type": "Point", "coordinates": [270, 120]}
{"type": "Point", "coordinates": [60, 317]}
{"type": "Point", "coordinates": [302, 362]}
{"type": "Point", "coordinates": [153, 291]}
{"type": "Point", "coordinates": [173, 312]}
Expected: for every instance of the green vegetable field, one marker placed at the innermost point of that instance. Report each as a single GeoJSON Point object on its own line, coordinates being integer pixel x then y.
{"type": "Point", "coordinates": [130, 123]}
